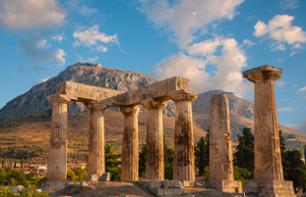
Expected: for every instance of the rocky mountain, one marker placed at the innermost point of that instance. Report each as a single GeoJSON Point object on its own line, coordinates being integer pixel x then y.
{"type": "Point", "coordinates": [34, 101]}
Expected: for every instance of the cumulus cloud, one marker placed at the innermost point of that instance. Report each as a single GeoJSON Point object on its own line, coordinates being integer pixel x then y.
{"type": "Point", "coordinates": [282, 32]}
{"type": "Point", "coordinates": [223, 55]}
{"type": "Point", "coordinates": [92, 37]}
{"type": "Point", "coordinates": [187, 18]}
{"type": "Point", "coordinates": [19, 14]}
{"type": "Point", "coordinates": [60, 56]}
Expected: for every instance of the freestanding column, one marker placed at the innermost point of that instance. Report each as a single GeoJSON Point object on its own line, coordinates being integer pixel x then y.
{"type": "Point", "coordinates": [221, 172]}
{"type": "Point", "coordinates": [96, 156]}
{"type": "Point", "coordinates": [155, 154]}
{"type": "Point", "coordinates": [57, 157]}
{"type": "Point", "coordinates": [268, 171]}
{"type": "Point", "coordinates": [129, 158]}
{"type": "Point", "coordinates": [184, 164]}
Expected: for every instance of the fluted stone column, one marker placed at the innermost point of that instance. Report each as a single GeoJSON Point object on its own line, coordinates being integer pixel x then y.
{"type": "Point", "coordinates": [184, 164]}
{"type": "Point", "coordinates": [57, 157]}
{"type": "Point", "coordinates": [221, 171]}
{"type": "Point", "coordinates": [129, 155]}
{"type": "Point", "coordinates": [268, 171]}
{"type": "Point", "coordinates": [155, 154]}
{"type": "Point", "coordinates": [96, 155]}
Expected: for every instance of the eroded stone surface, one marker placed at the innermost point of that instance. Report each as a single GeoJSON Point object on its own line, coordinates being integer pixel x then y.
{"type": "Point", "coordinates": [268, 166]}
{"type": "Point", "coordinates": [184, 164]}
{"type": "Point", "coordinates": [221, 172]}
{"type": "Point", "coordinates": [155, 154]}
{"type": "Point", "coordinates": [57, 156]}
{"type": "Point", "coordinates": [129, 154]}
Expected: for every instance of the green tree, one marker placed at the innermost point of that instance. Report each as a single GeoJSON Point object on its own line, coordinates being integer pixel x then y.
{"type": "Point", "coordinates": [112, 162]}
{"type": "Point", "coordinates": [295, 169]}
{"type": "Point", "coordinates": [202, 154]}
{"type": "Point", "coordinates": [169, 162]}
{"type": "Point", "coordinates": [305, 152]}
{"type": "Point", "coordinates": [244, 156]}
{"type": "Point", "coordinates": [142, 160]}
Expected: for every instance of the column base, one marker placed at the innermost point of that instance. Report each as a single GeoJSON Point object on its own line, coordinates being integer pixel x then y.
{"type": "Point", "coordinates": [273, 188]}
{"type": "Point", "coordinates": [227, 186]}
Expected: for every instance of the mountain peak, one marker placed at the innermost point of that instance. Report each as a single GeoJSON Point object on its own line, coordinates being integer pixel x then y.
{"type": "Point", "coordinates": [35, 100]}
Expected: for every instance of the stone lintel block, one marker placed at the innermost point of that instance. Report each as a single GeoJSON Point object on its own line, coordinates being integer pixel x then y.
{"type": "Point", "coordinates": [272, 188]}
{"type": "Point", "coordinates": [83, 92]}
{"type": "Point", "coordinates": [63, 99]}
{"type": "Point", "coordinates": [265, 72]}
{"type": "Point", "coordinates": [162, 90]}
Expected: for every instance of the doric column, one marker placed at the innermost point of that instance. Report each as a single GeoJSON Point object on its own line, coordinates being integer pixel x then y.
{"type": "Point", "coordinates": [184, 164]}
{"type": "Point", "coordinates": [221, 171]}
{"type": "Point", "coordinates": [155, 153]}
{"type": "Point", "coordinates": [57, 157]}
{"type": "Point", "coordinates": [96, 156]}
{"type": "Point", "coordinates": [268, 165]}
{"type": "Point", "coordinates": [129, 155]}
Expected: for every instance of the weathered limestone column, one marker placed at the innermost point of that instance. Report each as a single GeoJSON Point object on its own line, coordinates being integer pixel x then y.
{"type": "Point", "coordinates": [129, 155]}
{"type": "Point", "coordinates": [221, 172]}
{"type": "Point", "coordinates": [96, 155]}
{"type": "Point", "coordinates": [57, 157]}
{"type": "Point", "coordinates": [155, 154]}
{"type": "Point", "coordinates": [268, 171]}
{"type": "Point", "coordinates": [184, 164]}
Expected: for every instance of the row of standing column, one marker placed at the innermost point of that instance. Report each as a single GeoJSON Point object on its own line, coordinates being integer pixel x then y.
{"type": "Point", "coordinates": [184, 166]}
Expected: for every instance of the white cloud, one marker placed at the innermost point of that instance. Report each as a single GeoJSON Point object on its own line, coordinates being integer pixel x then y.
{"type": "Point", "coordinates": [92, 37]}
{"type": "Point", "coordinates": [281, 30]}
{"type": "Point", "coordinates": [60, 56]}
{"type": "Point", "coordinates": [41, 43]}
{"type": "Point", "coordinates": [18, 14]}
{"type": "Point", "coordinates": [303, 89]}
{"type": "Point", "coordinates": [58, 38]}
{"type": "Point", "coordinates": [187, 18]}
{"type": "Point", "coordinates": [285, 109]}
{"type": "Point", "coordinates": [289, 4]}
{"type": "Point", "coordinates": [248, 43]}
{"type": "Point", "coordinates": [223, 54]}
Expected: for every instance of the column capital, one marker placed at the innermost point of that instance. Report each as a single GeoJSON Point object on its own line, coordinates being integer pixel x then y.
{"type": "Point", "coordinates": [265, 72]}
{"type": "Point", "coordinates": [187, 96]}
{"type": "Point", "coordinates": [59, 99]}
{"type": "Point", "coordinates": [152, 104]}
{"type": "Point", "coordinates": [128, 110]}
{"type": "Point", "coordinates": [95, 106]}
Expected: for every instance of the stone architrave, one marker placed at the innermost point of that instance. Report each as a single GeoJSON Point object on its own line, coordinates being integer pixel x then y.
{"type": "Point", "coordinates": [268, 174]}
{"type": "Point", "coordinates": [96, 155]}
{"type": "Point", "coordinates": [155, 154]}
{"type": "Point", "coordinates": [184, 164]}
{"type": "Point", "coordinates": [57, 157]}
{"type": "Point", "coordinates": [221, 172]}
{"type": "Point", "coordinates": [129, 155]}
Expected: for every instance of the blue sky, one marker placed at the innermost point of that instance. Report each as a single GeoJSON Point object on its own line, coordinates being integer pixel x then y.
{"type": "Point", "coordinates": [209, 42]}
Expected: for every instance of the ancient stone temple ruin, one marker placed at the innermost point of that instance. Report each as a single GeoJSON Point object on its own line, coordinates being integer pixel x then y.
{"type": "Point", "coordinates": [221, 171]}
{"type": "Point", "coordinates": [154, 98]}
{"type": "Point", "coordinates": [268, 173]}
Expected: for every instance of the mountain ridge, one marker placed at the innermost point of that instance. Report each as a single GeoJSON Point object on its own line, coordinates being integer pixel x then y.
{"type": "Point", "coordinates": [35, 100]}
